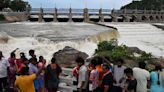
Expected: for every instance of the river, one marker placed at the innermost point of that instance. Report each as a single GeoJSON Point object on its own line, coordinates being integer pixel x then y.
{"type": "Point", "coordinates": [145, 36]}
{"type": "Point", "coordinates": [47, 38]}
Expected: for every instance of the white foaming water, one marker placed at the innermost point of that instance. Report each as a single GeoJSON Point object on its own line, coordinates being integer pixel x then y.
{"type": "Point", "coordinates": [44, 46]}
{"type": "Point", "coordinates": [142, 35]}
{"type": "Point", "coordinates": [87, 36]}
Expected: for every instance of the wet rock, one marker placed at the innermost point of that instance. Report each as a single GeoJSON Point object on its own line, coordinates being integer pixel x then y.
{"type": "Point", "coordinates": [135, 50]}
{"type": "Point", "coordinates": [67, 56]}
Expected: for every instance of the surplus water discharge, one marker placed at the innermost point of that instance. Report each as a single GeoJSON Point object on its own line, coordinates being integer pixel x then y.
{"type": "Point", "coordinates": [47, 38]}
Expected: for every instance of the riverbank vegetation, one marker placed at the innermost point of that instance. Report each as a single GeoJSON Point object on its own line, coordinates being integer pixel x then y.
{"type": "Point", "coordinates": [2, 18]}
{"type": "Point", "coordinates": [145, 4]}
{"type": "Point", "coordinates": [15, 5]}
{"type": "Point", "coordinates": [131, 55]}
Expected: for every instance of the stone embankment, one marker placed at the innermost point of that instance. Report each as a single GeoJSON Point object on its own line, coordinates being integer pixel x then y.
{"type": "Point", "coordinates": [14, 16]}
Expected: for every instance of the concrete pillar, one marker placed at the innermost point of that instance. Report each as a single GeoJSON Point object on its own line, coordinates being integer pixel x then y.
{"type": "Point", "coordinates": [148, 19]}
{"type": "Point", "coordinates": [125, 11]}
{"type": "Point", "coordinates": [127, 19]}
{"type": "Point", "coordinates": [70, 15]}
{"type": "Point", "coordinates": [101, 17]}
{"type": "Point", "coordinates": [145, 11]}
{"type": "Point", "coordinates": [27, 13]}
{"type": "Point", "coordinates": [136, 11]}
{"type": "Point", "coordinates": [162, 17]}
{"type": "Point", "coordinates": [40, 15]}
{"type": "Point", "coordinates": [114, 19]}
{"type": "Point", "coordinates": [86, 15]}
{"type": "Point", "coordinates": [112, 11]}
{"type": "Point", "coordinates": [55, 15]}
{"type": "Point", "coordinates": [140, 18]}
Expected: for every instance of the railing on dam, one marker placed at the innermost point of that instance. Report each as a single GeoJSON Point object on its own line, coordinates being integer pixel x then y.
{"type": "Point", "coordinates": [65, 10]}
{"type": "Point", "coordinates": [105, 11]}
{"type": "Point", "coordinates": [127, 11]}
{"type": "Point", "coordinates": [98, 15]}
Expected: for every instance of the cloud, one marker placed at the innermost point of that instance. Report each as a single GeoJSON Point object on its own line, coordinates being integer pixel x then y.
{"type": "Point", "coordinates": [106, 4]}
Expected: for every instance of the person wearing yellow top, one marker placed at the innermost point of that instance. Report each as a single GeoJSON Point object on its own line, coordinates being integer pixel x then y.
{"type": "Point", "coordinates": [25, 82]}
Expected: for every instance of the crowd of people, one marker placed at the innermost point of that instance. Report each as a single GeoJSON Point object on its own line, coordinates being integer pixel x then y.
{"type": "Point", "coordinates": [27, 74]}
{"type": "Point", "coordinates": [104, 77]}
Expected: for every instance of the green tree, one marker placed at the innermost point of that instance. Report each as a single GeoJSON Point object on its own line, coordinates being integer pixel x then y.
{"type": "Point", "coordinates": [2, 18]}
{"type": "Point", "coordinates": [4, 4]}
{"type": "Point", "coordinates": [18, 5]}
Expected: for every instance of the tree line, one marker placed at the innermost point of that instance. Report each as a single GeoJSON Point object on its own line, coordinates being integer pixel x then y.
{"type": "Point", "coordinates": [15, 5]}
{"type": "Point", "coordinates": [145, 4]}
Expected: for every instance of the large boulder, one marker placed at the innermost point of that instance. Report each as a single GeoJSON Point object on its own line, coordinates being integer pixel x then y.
{"type": "Point", "coordinates": [67, 56]}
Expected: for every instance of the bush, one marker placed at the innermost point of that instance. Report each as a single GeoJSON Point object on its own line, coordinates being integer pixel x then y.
{"type": "Point", "coordinates": [119, 52]}
{"type": "Point", "coordinates": [106, 46]}
{"type": "Point", "coordinates": [2, 18]}
{"type": "Point", "coordinates": [115, 52]}
{"type": "Point", "coordinates": [112, 50]}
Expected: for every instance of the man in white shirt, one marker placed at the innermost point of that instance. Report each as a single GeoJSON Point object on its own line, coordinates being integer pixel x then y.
{"type": "Point", "coordinates": [119, 77]}
{"type": "Point", "coordinates": [4, 66]}
{"type": "Point", "coordinates": [83, 76]}
{"type": "Point", "coordinates": [142, 76]}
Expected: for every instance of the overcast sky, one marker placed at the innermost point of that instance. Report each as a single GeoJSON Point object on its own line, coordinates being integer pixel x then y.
{"type": "Point", "coordinates": [95, 4]}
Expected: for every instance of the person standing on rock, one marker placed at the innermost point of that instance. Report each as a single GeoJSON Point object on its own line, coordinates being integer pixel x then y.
{"type": "Point", "coordinates": [119, 77]}
{"type": "Point", "coordinates": [131, 82]}
{"type": "Point", "coordinates": [25, 82]}
{"type": "Point", "coordinates": [13, 69]}
{"type": "Point", "coordinates": [51, 76]}
{"type": "Point", "coordinates": [31, 54]}
{"type": "Point", "coordinates": [4, 68]}
{"type": "Point", "coordinates": [83, 76]}
{"type": "Point", "coordinates": [94, 75]}
{"type": "Point", "coordinates": [99, 68]}
{"type": "Point", "coordinates": [142, 76]}
{"type": "Point", "coordinates": [33, 70]}
{"type": "Point", "coordinates": [75, 73]}
{"type": "Point", "coordinates": [107, 80]}
{"type": "Point", "coordinates": [156, 78]}
{"type": "Point", "coordinates": [41, 63]}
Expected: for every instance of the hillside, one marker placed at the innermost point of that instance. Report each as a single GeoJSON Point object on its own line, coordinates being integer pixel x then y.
{"type": "Point", "coordinates": [145, 4]}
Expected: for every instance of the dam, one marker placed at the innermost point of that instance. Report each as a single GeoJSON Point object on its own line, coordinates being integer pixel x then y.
{"type": "Point", "coordinates": [85, 15]}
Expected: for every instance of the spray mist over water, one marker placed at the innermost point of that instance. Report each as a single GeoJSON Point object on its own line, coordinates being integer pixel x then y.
{"type": "Point", "coordinates": [46, 46]}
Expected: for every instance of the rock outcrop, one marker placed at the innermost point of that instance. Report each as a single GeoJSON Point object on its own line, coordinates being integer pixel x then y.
{"type": "Point", "coordinates": [134, 50]}
{"type": "Point", "coordinates": [67, 56]}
